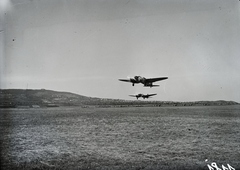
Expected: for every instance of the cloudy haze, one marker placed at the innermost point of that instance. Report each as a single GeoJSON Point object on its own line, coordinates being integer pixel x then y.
{"type": "Point", "coordinates": [85, 46]}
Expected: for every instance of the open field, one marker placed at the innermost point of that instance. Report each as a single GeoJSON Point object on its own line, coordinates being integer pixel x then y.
{"type": "Point", "coordinates": [120, 138]}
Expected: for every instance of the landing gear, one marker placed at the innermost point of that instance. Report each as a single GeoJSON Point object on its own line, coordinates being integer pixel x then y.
{"type": "Point", "coordinates": [133, 84]}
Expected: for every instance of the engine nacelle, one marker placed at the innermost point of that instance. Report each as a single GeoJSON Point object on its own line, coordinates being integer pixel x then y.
{"type": "Point", "coordinates": [148, 84]}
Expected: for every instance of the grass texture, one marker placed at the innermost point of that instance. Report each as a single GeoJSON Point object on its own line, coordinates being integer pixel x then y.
{"type": "Point", "coordinates": [120, 138]}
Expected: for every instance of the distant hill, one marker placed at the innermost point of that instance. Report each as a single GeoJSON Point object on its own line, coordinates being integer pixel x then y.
{"type": "Point", "coordinates": [20, 97]}
{"type": "Point", "coordinates": [49, 98]}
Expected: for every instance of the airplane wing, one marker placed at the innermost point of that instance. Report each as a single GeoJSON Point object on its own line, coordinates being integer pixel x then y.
{"type": "Point", "coordinates": [132, 95]}
{"type": "Point", "coordinates": [125, 80]}
{"type": "Point", "coordinates": [148, 95]}
{"type": "Point", "coordinates": [151, 80]}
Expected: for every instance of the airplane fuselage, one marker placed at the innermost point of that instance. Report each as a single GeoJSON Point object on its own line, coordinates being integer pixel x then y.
{"type": "Point", "coordinates": [139, 79]}
{"type": "Point", "coordinates": [141, 95]}
{"type": "Point", "coordinates": [144, 96]}
{"type": "Point", "coordinates": [147, 82]}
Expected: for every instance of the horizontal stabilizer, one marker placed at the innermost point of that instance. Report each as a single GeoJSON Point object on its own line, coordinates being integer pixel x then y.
{"type": "Point", "coordinates": [152, 86]}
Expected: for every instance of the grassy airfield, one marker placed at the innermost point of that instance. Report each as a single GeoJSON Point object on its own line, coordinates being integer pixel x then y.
{"type": "Point", "coordinates": [120, 138]}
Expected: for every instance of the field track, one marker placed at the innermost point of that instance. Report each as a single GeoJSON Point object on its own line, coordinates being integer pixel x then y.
{"type": "Point", "coordinates": [120, 138]}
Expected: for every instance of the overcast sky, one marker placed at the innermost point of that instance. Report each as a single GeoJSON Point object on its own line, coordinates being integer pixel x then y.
{"type": "Point", "coordinates": [85, 46]}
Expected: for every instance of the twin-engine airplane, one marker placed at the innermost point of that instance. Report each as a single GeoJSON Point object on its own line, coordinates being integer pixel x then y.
{"type": "Point", "coordinates": [148, 82]}
{"type": "Point", "coordinates": [142, 95]}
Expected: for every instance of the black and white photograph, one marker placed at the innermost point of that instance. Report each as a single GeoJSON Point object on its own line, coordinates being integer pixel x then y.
{"type": "Point", "coordinates": [120, 84]}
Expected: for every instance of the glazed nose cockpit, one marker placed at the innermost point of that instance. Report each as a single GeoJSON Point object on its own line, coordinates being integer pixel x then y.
{"type": "Point", "coordinates": [138, 78]}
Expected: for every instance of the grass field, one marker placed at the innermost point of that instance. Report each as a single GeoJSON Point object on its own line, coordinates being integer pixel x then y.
{"type": "Point", "coordinates": [120, 138]}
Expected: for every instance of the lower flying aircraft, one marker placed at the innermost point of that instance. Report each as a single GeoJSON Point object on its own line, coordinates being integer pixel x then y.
{"type": "Point", "coordinates": [147, 82]}
{"type": "Point", "coordinates": [142, 95]}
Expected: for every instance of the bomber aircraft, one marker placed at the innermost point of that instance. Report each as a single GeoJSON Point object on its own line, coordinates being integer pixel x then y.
{"type": "Point", "coordinates": [147, 82]}
{"type": "Point", "coordinates": [142, 95]}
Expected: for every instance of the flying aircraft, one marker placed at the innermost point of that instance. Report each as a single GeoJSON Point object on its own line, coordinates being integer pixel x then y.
{"type": "Point", "coordinates": [142, 95]}
{"type": "Point", "coordinates": [148, 82]}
